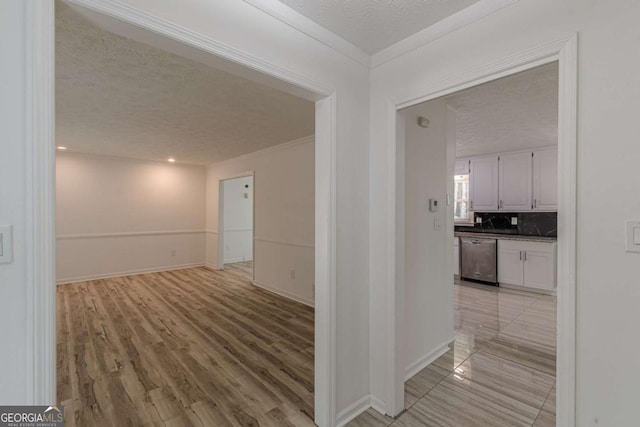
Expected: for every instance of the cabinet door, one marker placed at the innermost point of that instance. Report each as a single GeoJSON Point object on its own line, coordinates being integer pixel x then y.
{"type": "Point", "coordinates": [483, 184]}
{"type": "Point", "coordinates": [510, 268]}
{"type": "Point", "coordinates": [539, 270]}
{"type": "Point", "coordinates": [545, 180]}
{"type": "Point", "coordinates": [515, 182]}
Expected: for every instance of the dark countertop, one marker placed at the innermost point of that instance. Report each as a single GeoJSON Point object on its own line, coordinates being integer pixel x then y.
{"type": "Point", "coordinates": [506, 236]}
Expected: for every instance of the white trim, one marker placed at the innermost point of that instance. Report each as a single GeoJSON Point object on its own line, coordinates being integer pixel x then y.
{"type": "Point", "coordinates": [211, 266]}
{"type": "Point", "coordinates": [285, 14]}
{"type": "Point", "coordinates": [41, 191]}
{"type": "Point", "coordinates": [126, 234]}
{"type": "Point", "coordinates": [268, 150]}
{"type": "Point", "coordinates": [283, 242]}
{"type": "Point", "coordinates": [352, 411]}
{"type": "Point", "coordinates": [567, 233]}
{"type": "Point", "coordinates": [238, 230]}
{"type": "Point", "coordinates": [439, 29]}
{"type": "Point", "coordinates": [211, 231]}
{"type": "Point", "coordinates": [234, 260]}
{"type": "Point", "coordinates": [563, 50]}
{"type": "Point", "coordinates": [426, 360]}
{"type": "Point", "coordinates": [377, 404]}
{"type": "Point", "coordinates": [77, 279]}
{"type": "Point", "coordinates": [40, 198]}
{"type": "Point", "coordinates": [283, 293]}
{"type": "Point", "coordinates": [132, 15]}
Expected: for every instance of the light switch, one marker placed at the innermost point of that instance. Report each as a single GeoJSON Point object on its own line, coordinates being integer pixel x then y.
{"type": "Point", "coordinates": [6, 244]}
{"type": "Point", "coordinates": [633, 236]}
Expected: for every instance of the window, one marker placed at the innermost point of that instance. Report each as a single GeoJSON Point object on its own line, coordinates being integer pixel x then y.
{"type": "Point", "coordinates": [461, 211]}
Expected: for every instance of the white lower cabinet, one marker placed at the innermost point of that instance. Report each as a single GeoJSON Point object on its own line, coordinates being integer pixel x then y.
{"type": "Point", "coordinates": [527, 264]}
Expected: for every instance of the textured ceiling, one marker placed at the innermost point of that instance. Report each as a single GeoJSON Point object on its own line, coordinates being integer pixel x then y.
{"type": "Point", "coordinates": [118, 97]}
{"type": "Point", "coordinates": [375, 25]}
{"type": "Point", "coordinates": [514, 113]}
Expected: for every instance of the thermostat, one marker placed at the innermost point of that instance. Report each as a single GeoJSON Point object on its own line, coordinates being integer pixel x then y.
{"type": "Point", "coordinates": [433, 205]}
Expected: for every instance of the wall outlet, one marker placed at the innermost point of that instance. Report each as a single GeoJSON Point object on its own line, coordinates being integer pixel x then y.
{"type": "Point", "coordinates": [479, 220]}
{"type": "Point", "coordinates": [514, 220]}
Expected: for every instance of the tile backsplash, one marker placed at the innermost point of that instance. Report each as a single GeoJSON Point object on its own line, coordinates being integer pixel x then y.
{"type": "Point", "coordinates": [529, 223]}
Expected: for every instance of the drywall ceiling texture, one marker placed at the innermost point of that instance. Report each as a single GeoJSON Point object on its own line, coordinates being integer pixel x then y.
{"type": "Point", "coordinates": [375, 25]}
{"type": "Point", "coordinates": [514, 113]}
{"type": "Point", "coordinates": [118, 97]}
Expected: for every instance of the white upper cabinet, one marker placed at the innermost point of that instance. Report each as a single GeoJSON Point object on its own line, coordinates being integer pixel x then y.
{"type": "Point", "coordinates": [515, 182]}
{"type": "Point", "coordinates": [462, 167]}
{"type": "Point", "coordinates": [483, 184]}
{"type": "Point", "coordinates": [545, 180]}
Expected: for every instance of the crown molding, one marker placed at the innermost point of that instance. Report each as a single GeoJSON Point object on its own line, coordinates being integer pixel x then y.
{"type": "Point", "coordinates": [296, 20]}
{"type": "Point", "coordinates": [440, 29]}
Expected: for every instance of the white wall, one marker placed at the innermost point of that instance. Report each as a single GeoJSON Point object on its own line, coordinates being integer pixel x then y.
{"type": "Point", "coordinates": [284, 200]}
{"type": "Point", "coordinates": [427, 326]}
{"type": "Point", "coordinates": [608, 101]}
{"type": "Point", "coordinates": [272, 42]}
{"type": "Point", "coordinates": [119, 216]}
{"type": "Point", "coordinates": [13, 277]}
{"type": "Point", "coordinates": [238, 219]}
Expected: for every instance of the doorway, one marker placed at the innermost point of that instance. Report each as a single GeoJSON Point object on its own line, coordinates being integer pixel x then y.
{"type": "Point", "coordinates": [236, 223]}
{"type": "Point", "coordinates": [563, 51]}
{"type": "Point", "coordinates": [41, 149]}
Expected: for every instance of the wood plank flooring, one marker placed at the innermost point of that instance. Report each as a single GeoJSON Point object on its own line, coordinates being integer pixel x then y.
{"type": "Point", "coordinates": [188, 347]}
{"type": "Point", "coordinates": [500, 371]}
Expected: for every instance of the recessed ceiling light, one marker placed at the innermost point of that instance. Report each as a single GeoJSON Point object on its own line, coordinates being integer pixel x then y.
{"type": "Point", "coordinates": [171, 160]}
{"type": "Point", "coordinates": [60, 147]}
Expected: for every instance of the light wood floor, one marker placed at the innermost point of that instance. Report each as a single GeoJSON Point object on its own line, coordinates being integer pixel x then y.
{"type": "Point", "coordinates": [188, 347]}
{"type": "Point", "coordinates": [500, 371]}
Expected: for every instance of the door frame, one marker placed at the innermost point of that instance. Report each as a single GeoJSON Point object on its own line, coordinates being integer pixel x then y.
{"type": "Point", "coordinates": [220, 226]}
{"type": "Point", "coordinates": [40, 285]}
{"type": "Point", "coordinates": [563, 50]}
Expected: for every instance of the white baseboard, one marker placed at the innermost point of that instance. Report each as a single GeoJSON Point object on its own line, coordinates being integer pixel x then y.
{"type": "Point", "coordinates": [211, 266]}
{"type": "Point", "coordinates": [378, 405]}
{"type": "Point", "coordinates": [67, 280]}
{"type": "Point", "coordinates": [232, 260]}
{"type": "Point", "coordinates": [352, 411]}
{"type": "Point", "coordinates": [426, 360]}
{"type": "Point", "coordinates": [284, 293]}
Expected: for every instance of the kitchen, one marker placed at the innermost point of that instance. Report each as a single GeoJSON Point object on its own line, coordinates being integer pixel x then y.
{"type": "Point", "coordinates": [506, 183]}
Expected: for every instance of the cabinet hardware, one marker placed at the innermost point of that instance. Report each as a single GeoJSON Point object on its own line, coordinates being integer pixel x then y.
{"type": "Point", "coordinates": [501, 204]}
{"type": "Point", "coordinates": [525, 256]}
{"type": "Point", "coordinates": [520, 255]}
{"type": "Point", "coordinates": [535, 203]}
{"type": "Point", "coordinates": [471, 204]}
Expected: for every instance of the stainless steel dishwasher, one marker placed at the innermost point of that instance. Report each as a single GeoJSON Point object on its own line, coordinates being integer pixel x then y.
{"type": "Point", "coordinates": [479, 259]}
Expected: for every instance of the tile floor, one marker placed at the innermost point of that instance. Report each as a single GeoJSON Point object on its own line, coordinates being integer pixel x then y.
{"type": "Point", "coordinates": [499, 371]}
